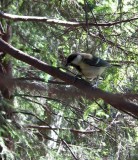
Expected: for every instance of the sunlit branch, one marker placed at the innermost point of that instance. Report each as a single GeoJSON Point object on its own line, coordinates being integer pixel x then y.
{"type": "Point", "coordinates": [61, 22]}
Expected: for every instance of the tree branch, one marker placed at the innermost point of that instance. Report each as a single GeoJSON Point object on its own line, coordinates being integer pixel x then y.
{"type": "Point", "coordinates": [116, 100]}
{"type": "Point", "coordinates": [63, 129]}
{"type": "Point", "coordinates": [61, 22]}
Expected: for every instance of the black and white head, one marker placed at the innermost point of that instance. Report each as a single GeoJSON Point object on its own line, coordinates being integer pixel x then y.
{"type": "Point", "coordinates": [76, 58]}
{"type": "Point", "coordinates": [73, 59]}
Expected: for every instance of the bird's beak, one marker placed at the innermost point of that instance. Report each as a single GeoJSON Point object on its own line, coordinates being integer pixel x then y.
{"type": "Point", "coordinates": [67, 64]}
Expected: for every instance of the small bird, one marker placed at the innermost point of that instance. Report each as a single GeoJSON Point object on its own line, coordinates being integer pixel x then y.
{"type": "Point", "coordinates": [88, 65]}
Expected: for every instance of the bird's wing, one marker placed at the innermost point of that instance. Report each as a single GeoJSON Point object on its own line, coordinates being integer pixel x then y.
{"type": "Point", "coordinates": [97, 62]}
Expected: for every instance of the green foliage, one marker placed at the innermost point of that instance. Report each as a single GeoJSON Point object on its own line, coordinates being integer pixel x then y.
{"type": "Point", "coordinates": [93, 129]}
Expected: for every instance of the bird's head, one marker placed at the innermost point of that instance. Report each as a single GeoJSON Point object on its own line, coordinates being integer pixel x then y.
{"type": "Point", "coordinates": [74, 59]}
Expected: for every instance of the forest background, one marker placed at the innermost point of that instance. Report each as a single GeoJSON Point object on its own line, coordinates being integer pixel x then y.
{"type": "Point", "coordinates": [44, 113]}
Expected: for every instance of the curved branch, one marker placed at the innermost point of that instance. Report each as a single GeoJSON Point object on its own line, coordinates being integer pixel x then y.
{"type": "Point", "coordinates": [116, 100]}
{"type": "Point", "coordinates": [61, 22]}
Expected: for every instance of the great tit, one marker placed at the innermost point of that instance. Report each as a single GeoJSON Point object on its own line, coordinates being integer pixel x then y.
{"type": "Point", "coordinates": [88, 65]}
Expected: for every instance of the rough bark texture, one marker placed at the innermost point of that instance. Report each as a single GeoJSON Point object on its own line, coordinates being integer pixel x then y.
{"type": "Point", "coordinates": [5, 92]}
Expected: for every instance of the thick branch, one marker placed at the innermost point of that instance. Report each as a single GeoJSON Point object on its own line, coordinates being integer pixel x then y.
{"type": "Point", "coordinates": [116, 100]}
{"type": "Point", "coordinates": [60, 22]}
